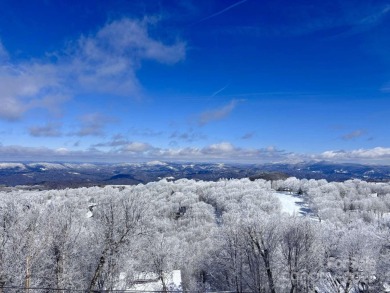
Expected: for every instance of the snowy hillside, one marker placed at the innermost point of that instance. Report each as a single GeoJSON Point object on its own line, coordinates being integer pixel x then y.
{"type": "Point", "coordinates": [62, 175]}
{"type": "Point", "coordinates": [219, 235]}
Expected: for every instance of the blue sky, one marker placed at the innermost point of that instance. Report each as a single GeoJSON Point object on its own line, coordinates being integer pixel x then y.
{"type": "Point", "coordinates": [195, 80]}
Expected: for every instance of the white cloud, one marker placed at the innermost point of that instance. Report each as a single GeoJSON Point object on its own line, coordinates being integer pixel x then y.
{"type": "Point", "coordinates": [140, 151]}
{"type": "Point", "coordinates": [144, 132]}
{"type": "Point", "coordinates": [22, 153]}
{"type": "Point", "coordinates": [105, 62]}
{"type": "Point", "coordinates": [377, 154]}
{"type": "Point", "coordinates": [61, 151]}
{"type": "Point", "coordinates": [92, 124]}
{"type": "Point", "coordinates": [221, 152]}
{"type": "Point", "coordinates": [115, 142]}
{"type": "Point", "coordinates": [331, 154]}
{"type": "Point", "coordinates": [248, 135]}
{"type": "Point", "coordinates": [353, 134]}
{"type": "Point", "coordinates": [119, 143]}
{"type": "Point", "coordinates": [48, 130]}
{"type": "Point", "coordinates": [217, 114]}
{"type": "Point", "coordinates": [3, 53]}
{"type": "Point", "coordinates": [29, 86]}
{"type": "Point", "coordinates": [224, 151]}
{"type": "Point", "coordinates": [136, 147]}
{"type": "Point", "coordinates": [219, 148]}
{"type": "Point", "coordinates": [188, 136]}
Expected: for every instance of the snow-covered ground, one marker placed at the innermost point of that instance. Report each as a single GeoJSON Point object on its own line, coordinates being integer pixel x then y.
{"type": "Point", "coordinates": [293, 204]}
{"type": "Point", "coordinates": [150, 282]}
{"type": "Point", "coordinates": [12, 166]}
{"type": "Point", "coordinates": [47, 166]}
{"type": "Point", "coordinates": [156, 163]}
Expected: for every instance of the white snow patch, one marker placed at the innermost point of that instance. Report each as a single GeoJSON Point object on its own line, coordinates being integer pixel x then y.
{"type": "Point", "coordinates": [156, 163]}
{"type": "Point", "coordinates": [128, 165]}
{"type": "Point", "coordinates": [47, 166]}
{"type": "Point", "coordinates": [176, 278]}
{"type": "Point", "coordinates": [150, 282]}
{"type": "Point", "coordinates": [386, 216]}
{"type": "Point", "coordinates": [293, 204]}
{"type": "Point", "coordinates": [79, 166]}
{"type": "Point", "coordinates": [188, 166]}
{"type": "Point", "coordinates": [289, 203]}
{"type": "Point", "coordinates": [12, 166]}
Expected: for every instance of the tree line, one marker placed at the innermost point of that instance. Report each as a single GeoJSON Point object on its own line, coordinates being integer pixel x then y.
{"type": "Point", "coordinates": [229, 235]}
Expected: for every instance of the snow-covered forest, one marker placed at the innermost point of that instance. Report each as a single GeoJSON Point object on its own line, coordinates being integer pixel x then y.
{"type": "Point", "coordinates": [230, 235]}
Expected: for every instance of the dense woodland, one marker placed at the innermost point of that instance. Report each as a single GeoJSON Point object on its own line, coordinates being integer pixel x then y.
{"type": "Point", "coordinates": [228, 235]}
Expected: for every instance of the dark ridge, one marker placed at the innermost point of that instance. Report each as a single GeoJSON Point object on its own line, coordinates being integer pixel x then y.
{"type": "Point", "coordinates": [121, 176]}
{"type": "Point", "coordinates": [269, 176]}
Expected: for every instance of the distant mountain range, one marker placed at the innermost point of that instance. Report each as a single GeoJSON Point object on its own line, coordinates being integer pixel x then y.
{"type": "Point", "coordinates": [61, 175]}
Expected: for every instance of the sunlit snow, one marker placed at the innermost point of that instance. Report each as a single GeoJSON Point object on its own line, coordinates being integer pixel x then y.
{"type": "Point", "coordinates": [292, 204]}
{"type": "Point", "coordinates": [12, 165]}
{"type": "Point", "coordinates": [150, 282]}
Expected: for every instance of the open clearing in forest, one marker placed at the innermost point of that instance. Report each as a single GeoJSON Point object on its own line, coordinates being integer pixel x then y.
{"type": "Point", "coordinates": [293, 204]}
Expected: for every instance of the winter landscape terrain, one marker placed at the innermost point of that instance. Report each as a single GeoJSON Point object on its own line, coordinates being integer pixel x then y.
{"type": "Point", "coordinates": [241, 235]}
{"type": "Point", "coordinates": [161, 226]}
{"type": "Point", "coordinates": [61, 175]}
{"type": "Point", "coordinates": [194, 146]}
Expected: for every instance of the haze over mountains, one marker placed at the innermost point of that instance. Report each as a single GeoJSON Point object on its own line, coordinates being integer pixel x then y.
{"type": "Point", "coordinates": [62, 175]}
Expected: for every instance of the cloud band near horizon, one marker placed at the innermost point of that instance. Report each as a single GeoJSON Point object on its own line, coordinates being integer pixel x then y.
{"type": "Point", "coordinates": [219, 152]}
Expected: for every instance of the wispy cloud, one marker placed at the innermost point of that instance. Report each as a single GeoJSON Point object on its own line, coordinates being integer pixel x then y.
{"type": "Point", "coordinates": [136, 147]}
{"type": "Point", "coordinates": [218, 152]}
{"type": "Point", "coordinates": [145, 132]}
{"type": "Point", "coordinates": [116, 142]}
{"type": "Point", "coordinates": [248, 135]}
{"type": "Point", "coordinates": [353, 134]}
{"type": "Point", "coordinates": [188, 136]}
{"type": "Point", "coordinates": [219, 91]}
{"type": "Point", "coordinates": [92, 124]}
{"type": "Point", "coordinates": [3, 53]}
{"type": "Point", "coordinates": [48, 130]}
{"type": "Point", "coordinates": [346, 18]}
{"type": "Point", "coordinates": [217, 114]}
{"type": "Point", "coordinates": [120, 144]}
{"type": "Point", "coordinates": [221, 11]}
{"type": "Point", "coordinates": [377, 154]}
{"type": "Point", "coordinates": [29, 86]}
{"type": "Point", "coordinates": [367, 18]}
{"type": "Point", "coordinates": [104, 62]}
{"type": "Point", "coordinates": [107, 61]}
{"type": "Point", "coordinates": [141, 151]}
{"type": "Point", "coordinates": [376, 16]}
